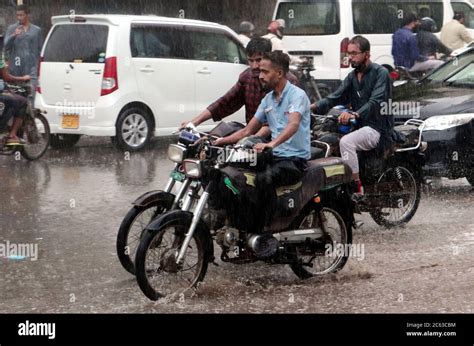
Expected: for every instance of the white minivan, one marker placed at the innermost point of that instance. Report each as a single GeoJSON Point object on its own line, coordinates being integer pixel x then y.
{"type": "Point", "coordinates": [323, 28]}
{"type": "Point", "coordinates": [132, 77]}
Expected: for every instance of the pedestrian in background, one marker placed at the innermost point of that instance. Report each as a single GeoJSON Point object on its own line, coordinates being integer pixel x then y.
{"type": "Point", "coordinates": [23, 42]}
{"type": "Point", "coordinates": [246, 30]}
{"type": "Point", "coordinates": [275, 32]}
{"type": "Point", "coordinates": [454, 34]}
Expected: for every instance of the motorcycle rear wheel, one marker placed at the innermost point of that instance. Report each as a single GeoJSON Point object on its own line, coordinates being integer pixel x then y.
{"type": "Point", "coordinates": [33, 150]}
{"type": "Point", "coordinates": [157, 273]}
{"type": "Point", "coordinates": [406, 198]}
{"type": "Point", "coordinates": [335, 251]}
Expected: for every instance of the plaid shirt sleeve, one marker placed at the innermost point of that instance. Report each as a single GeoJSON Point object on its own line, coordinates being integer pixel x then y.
{"type": "Point", "coordinates": [230, 103]}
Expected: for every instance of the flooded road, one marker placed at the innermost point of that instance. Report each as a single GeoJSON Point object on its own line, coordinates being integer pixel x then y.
{"type": "Point", "coordinates": [69, 206]}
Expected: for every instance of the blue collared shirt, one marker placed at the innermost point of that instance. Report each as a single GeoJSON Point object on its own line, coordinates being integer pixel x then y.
{"type": "Point", "coordinates": [275, 113]}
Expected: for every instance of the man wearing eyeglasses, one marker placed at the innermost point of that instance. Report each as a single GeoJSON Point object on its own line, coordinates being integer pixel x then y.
{"type": "Point", "coordinates": [364, 91]}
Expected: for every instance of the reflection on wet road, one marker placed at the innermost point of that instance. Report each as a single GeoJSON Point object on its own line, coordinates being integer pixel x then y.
{"type": "Point", "coordinates": [71, 203]}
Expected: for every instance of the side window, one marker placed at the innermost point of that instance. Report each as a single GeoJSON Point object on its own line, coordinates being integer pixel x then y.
{"type": "Point", "coordinates": [468, 12]}
{"type": "Point", "coordinates": [215, 46]}
{"type": "Point", "coordinates": [384, 16]}
{"type": "Point", "coordinates": [377, 17]}
{"type": "Point", "coordinates": [154, 41]}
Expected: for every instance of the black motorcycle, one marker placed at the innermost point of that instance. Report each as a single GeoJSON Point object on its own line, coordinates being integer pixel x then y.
{"type": "Point", "coordinates": [154, 203]}
{"type": "Point", "coordinates": [311, 218]}
{"type": "Point", "coordinates": [34, 131]}
{"type": "Point", "coordinates": [392, 180]}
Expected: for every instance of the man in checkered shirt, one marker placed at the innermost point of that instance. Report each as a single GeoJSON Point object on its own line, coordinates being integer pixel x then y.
{"type": "Point", "coordinates": [247, 92]}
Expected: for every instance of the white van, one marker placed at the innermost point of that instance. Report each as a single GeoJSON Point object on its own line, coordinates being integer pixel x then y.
{"type": "Point", "coordinates": [129, 77]}
{"type": "Point", "coordinates": [323, 28]}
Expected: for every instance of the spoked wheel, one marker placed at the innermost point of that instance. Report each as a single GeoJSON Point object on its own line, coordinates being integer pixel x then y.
{"type": "Point", "coordinates": [470, 177]}
{"type": "Point", "coordinates": [334, 250]}
{"type": "Point", "coordinates": [157, 273]}
{"type": "Point", "coordinates": [36, 135]}
{"type": "Point", "coordinates": [131, 231]}
{"type": "Point", "coordinates": [396, 197]}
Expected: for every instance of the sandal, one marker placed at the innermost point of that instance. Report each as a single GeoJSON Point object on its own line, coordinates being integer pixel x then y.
{"type": "Point", "coordinates": [14, 141]}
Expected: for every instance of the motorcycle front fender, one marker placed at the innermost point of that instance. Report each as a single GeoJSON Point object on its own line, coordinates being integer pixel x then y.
{"type": "Point", "coordinates": [151, 197]}
{"type": "Point", "coordinates": [186, 218]}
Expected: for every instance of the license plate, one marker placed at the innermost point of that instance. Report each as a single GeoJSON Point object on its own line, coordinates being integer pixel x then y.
{"type": "Point", "coordinates": [178, 176]}
{"type": "Point", "coordinates": [70, 121]}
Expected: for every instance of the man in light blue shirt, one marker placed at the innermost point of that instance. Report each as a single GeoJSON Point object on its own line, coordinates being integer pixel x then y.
{"type": "Point", "coordinates": [287, 111]}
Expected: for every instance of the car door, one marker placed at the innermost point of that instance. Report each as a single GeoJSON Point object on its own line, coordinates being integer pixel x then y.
{"type": "Point", "coordinates": [218, 60]}
{"type": "Point", "coordinates": [164, 72]}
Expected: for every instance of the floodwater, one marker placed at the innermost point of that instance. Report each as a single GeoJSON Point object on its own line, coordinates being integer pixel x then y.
{"type": "Point", "coordinates": [69, 206]}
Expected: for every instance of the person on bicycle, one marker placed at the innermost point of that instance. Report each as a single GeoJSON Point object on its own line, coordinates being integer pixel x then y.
{"type": "Point", "coordinates": [365, 90]}
{"type": "Point", "coordinates": [14, 105]}
{"type": "Point", "coordinates": [248, 91]}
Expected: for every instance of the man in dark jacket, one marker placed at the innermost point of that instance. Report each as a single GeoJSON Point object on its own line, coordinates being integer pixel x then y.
{"type": "Point", "coordinates": [428, 43]}
{"type": "Point", "coordinates": [365, 90]}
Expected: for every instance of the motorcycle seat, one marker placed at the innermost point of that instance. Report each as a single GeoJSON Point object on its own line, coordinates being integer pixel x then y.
{"type": "Point", "coordinates": [327, 172]}
{"type": "Point", "coordinates": [321, 173]}
{"type": "Point", "coordinates": [406, 136]}
{"type": "Point", "coordinates": [317, 153]}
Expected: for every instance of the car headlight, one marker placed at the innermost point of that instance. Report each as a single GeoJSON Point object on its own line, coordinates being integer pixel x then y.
{"type": "Point", "coordinates": [443, 122]}
{"type": "Point", "coordinates": [192, 168]}
{"type": "Point", "coordinates": [424, 146]}
{"type": "Point", "coordinates": [176, 153]}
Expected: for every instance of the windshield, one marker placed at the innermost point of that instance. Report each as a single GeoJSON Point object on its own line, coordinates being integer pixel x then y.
{"type": "Point", "coordinates": [450, 68]}
{"type": "Point", "coordinates": [77, 43]}
{"type": "Point", "coordinates": [464, 78]}
{"type": "Point", "coordinates": [315, 18]}
{"type": "Point", "coordinates": [383, 16]}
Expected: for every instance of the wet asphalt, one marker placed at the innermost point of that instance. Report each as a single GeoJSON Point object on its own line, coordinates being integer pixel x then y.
{"type": "Point", "coordinates": [70, 204]}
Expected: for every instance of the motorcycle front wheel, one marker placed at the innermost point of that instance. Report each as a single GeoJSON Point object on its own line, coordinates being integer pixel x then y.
{"type": "Point", "coordinates": [334, 250]}
{"type": "Point", "coordinates": [131, 231]}
{"type": "Point", "coordinates": [398, 195]}
{"type": "Point", "coordinates": [157, 272]}
{"type": "Point", "coordinates": [36, 136]}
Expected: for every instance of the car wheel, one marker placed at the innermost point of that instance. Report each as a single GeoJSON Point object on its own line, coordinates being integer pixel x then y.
{"type": "Point", "coordinates": [470, 177]}
{"type": "Point", "coordinates": [134, 129]}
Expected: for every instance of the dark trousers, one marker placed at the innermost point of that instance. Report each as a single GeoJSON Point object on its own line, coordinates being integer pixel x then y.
{"type": "Point", "coordinates": [13, 106]}
{"type": "Point", "coordinates": [281, 172]}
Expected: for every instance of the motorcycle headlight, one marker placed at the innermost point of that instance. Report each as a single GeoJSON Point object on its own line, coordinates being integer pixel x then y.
{"type": "Point", "coordinates": [443, 122]}
{"type": "Point", "coordinates": [192, 168]}
{"type": "Point", "coordinates": [176, 153]}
